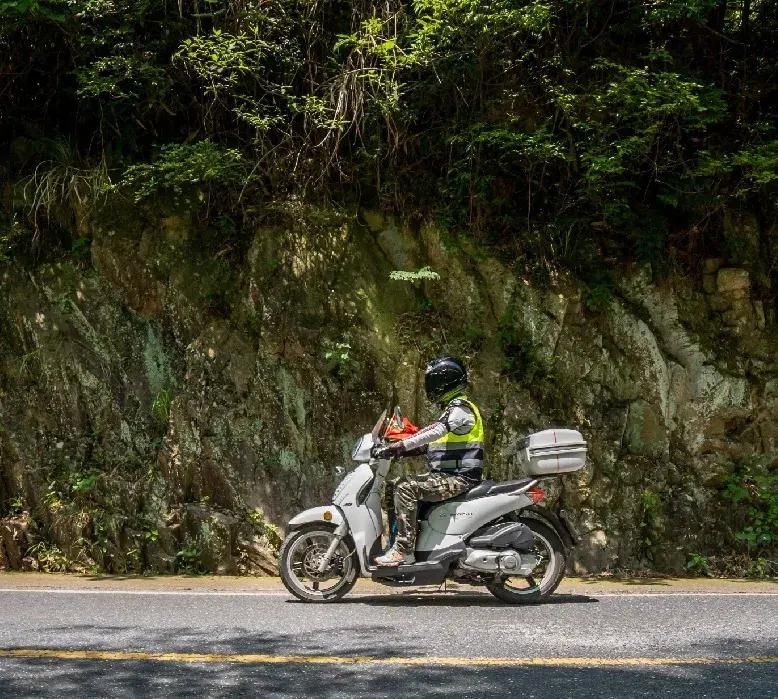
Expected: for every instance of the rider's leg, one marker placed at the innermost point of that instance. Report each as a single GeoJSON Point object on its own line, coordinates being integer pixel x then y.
{"type": "Point", "coordinates": [389, 506]}
{"type": "Point", "coordinates": [429, 487]}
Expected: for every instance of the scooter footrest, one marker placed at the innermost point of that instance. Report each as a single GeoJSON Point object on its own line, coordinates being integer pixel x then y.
{"type": "Point", "coordinates": [404, 569]}
{"type": "Point", "coordinates": [395, 582]}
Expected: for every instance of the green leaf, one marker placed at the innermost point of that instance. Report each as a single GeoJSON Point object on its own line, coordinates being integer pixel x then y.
{"type": "Point", "coordinates": [425, 273]}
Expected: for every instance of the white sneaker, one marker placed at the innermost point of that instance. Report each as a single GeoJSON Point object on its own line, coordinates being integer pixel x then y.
{"type": "Point", "coordinates": [393, 557]}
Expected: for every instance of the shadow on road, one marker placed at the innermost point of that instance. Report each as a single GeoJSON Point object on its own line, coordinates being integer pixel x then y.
{"type": "Point", "coordinates": [415, 599]}
{"type": "Point", "coordinates": [55, 678]}
{"type": "Point", "coordinates": [90, 678]}
{"type": "Point", "coordinates": [272, 628]}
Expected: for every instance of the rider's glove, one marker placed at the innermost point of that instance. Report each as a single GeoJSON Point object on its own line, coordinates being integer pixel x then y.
{"type": "Point", "coordinates": [388, 451]}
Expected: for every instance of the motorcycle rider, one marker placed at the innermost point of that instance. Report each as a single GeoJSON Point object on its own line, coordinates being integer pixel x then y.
{"type": "Point", "coordinates": [454, 445]}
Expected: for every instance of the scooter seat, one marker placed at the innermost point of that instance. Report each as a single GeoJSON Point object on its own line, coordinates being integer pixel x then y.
{"type": "Point", "coordinates": [506, 486]}
{"type": "Point", "coordinates": [493, 488]}
{"type": "Point", "coordinates": [479, 491]}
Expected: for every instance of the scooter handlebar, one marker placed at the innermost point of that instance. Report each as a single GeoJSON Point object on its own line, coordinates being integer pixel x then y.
{"type": "Point", "coordinates": [381, 451]}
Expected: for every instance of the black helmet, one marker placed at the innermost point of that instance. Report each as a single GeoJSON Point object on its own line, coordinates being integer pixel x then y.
{"type": "Point", "coordinates": [444, 375]}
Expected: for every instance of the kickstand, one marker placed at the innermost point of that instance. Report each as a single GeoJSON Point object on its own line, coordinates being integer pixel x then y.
{"type": "Point", "coordinates": [443, 587]}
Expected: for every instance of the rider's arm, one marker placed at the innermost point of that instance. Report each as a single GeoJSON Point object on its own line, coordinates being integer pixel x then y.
{"type": "Point", "coordinates": [457, 418]}
{"type": "Point", "coordinates": [417, 443]}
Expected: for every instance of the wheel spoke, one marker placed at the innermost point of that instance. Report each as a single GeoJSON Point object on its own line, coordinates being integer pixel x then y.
{"type": "Point", "coordinates": [542, 578]}
{"type": "Point", "coordinates": [302, 566]}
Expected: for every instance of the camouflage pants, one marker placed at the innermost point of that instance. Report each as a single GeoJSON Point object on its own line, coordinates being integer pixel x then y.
{"type": "Point", "coordinates": [402, 496]}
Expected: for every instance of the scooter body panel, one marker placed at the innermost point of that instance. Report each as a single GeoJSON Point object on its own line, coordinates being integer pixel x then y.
{"type": "Point", "coordinates": [451, 522]}
{"type": "Point", "coordinates": [364, 519]}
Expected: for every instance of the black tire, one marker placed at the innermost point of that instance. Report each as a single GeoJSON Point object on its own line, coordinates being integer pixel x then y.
{"type": "Point", "coordinates": [546, 540]}
{"type": "Point", "coordinates": [293, 583]}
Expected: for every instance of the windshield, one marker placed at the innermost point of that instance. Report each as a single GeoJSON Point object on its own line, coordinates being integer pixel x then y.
{"type": "Point", "coordinates": [380, 428]}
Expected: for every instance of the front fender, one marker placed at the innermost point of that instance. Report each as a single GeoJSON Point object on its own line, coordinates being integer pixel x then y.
{"type": "Point", "coordinates": [316, 514]}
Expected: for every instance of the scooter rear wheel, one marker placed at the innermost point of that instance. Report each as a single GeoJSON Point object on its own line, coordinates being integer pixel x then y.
{"type": "Point", "coordinates": [550, 569]}
{"type": "Point", "coordinates": [299, 559]}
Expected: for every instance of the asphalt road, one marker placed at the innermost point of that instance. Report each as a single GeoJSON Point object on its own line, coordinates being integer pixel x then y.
{"type": "Point", "coordinates": [109, 642]}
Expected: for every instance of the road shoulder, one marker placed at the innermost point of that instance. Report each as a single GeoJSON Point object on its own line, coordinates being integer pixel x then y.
{"type": "Point", "coordinates": [228, 584]}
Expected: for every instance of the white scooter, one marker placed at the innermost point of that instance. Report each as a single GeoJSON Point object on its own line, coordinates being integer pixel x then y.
{"type": "Point", "coordinates": [494, 535]}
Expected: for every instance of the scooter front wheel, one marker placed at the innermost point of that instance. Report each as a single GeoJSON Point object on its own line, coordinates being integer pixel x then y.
{"type": "Point", "coordinates": [299, 560]}
{"type": "Point", "coordinates": [548, 573]}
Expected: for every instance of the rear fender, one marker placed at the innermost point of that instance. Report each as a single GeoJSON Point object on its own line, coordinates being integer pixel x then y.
{"type": "Point", "coordinates": [315, 515]}
{"type": "Point", "coordinates": [559, 524]}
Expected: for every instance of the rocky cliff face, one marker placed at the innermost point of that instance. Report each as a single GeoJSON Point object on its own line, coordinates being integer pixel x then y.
{"type": "Point", "coordinates": [167, 399]}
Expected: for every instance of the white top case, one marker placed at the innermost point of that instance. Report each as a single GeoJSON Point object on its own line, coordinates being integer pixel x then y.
{"type": "Point", "coordinates": [552, 452]}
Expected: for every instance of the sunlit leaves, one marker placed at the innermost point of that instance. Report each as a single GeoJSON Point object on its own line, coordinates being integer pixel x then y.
{"type": "Point", "coordinates": [221, 59]}
{"type": "Point", "coordinates": [423, 274]}
{"type": "Point", "coordinates": [183, 168]}
{"type": "Point", "coordinates": [674, 10]}
{"type": "Point", "coordinates": [505, 114]}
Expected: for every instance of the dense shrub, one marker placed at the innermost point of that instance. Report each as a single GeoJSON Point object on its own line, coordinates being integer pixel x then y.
{"type": "Point", "coordinates": [578, 129]}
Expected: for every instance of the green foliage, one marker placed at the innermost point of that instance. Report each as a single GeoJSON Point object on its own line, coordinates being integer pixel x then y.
{"type": "Point", "coordinates": [636, 136]}
{"type": "Point", "coordinates": [50, 557]}
{"type": "Point", "coordinates": [522, 360]}
{"type": "Point", "coordinates": [753, 491]}
{"type": "Point", "coordinates": [423, 274]}
{"type": "Point", "coordinates": [16, 505]}
{"type": "Point", "coordinates": [598, 296]}
{"type": "Point", "coordinates": [447, 28]}
{"type": "Point", "coordinates": [221, 59]}
{"type": "Point", "coordinates": [650, 513]}
{"type": "Point", "coordinates": [650, 501]}
{"type": "Point", "coordinates": [762, 567]}
{"type": "Point", "coordinates": [11, 235]}
{"type": "Point", "coordinates": [267, 529]}
{"type": "Point", "coordinates": [120, 78]}
{"type": "Point", "coordinates": [697, 564]}
{"type": "Point", "coordinates": [759, 165]}
{"type": "Point", "coordinates": [83, 483]}
{"type": "Point", "coordinates": [753, 170]}
{"type": "Point", "coordinates": [189, 557]}
{"type": "Point", "coordinates": [644, 97]}
{"type": "Point", "coordinates": [185, 169]}
{"type": "Point", "coordinates": [564, 129]}
{"type": "Point", "coordinates": [90, 517]}
{"type": "Point", "coordinates": [50, 10]}
{"type": "Point", "coordinates": [342, 358]}
{"type": "Point", "coordinates": [79, 249]}
{"type": "Point", "coordinates": [511, 146]}
{"type": "Point", "coordinates": [338, 357]}
{"type": "Point", "coordinates": [665, 11]}
{"type": "Point", "coordinates": [160, 407]}
{"type": "Point", "coordinates": [53, 498]}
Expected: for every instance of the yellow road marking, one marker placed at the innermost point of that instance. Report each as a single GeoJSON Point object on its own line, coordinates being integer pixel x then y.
{"type": "Point", "coordinates": [261, 659]}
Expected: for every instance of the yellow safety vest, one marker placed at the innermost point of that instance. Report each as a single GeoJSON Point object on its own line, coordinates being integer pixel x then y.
{"type": "Point", "coordinates": [459, 454]}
